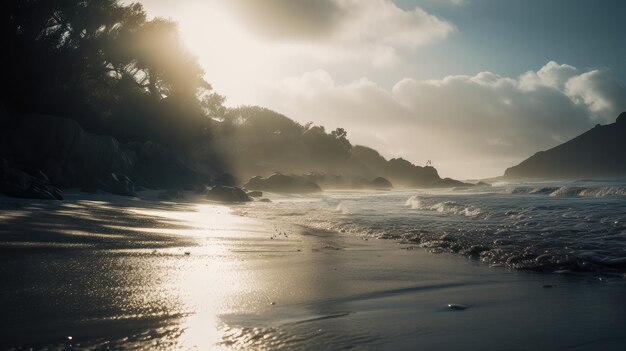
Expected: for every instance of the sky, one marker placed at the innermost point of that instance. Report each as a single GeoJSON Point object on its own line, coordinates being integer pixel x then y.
{"type": "Point", "coordinates": [475, 86]}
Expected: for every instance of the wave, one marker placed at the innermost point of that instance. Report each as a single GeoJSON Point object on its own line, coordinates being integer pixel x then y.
{"type": "Point", "coordinates": [343, 208]}
{"type": "Point", "coordinates": [414, 202]}
{"type": "Point", "coordinates": [445, 207]}
{"type": "Point", "coordinates": [599, 191]}
{"type": "Point", "coordinates": [575, 234]}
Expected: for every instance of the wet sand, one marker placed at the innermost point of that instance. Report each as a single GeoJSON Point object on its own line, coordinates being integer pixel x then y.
{"type": "Point", "coordinates": [97, 272]}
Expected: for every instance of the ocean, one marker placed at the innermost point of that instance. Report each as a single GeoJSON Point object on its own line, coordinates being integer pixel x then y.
{"type": "Point", "coordinates": [573, 227]}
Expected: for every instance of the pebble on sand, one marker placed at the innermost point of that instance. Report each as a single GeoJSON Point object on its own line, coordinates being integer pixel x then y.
{"type": "Point", "coordinates": [187, 253]}
{"type": "Point", "coordinates": [456, 307]}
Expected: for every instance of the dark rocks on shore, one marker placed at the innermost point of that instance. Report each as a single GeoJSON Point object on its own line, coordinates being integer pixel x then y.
{"type": "Point", "coordinates": [229, 194]}
{"type": "Point", "coordinates": [336, 181]}
{"type": "Point", "coordinates": [17, 183]}
{"type": "Point", "coordinates": [381, 183]}
{"type": "Point", "coordinates": [255, 193]}
{"type": "Point", "coordinates": [67, 156]}
{"type": "Point", "coordinates": [280, 183]}
{"type": "Point", "coordinates": [450, 183]}
{"type": "Point", "coordinates": [117, 184]}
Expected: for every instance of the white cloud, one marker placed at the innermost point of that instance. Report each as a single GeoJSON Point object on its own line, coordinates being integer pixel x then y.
{"type": "Point", "coordinates": [599, 91]}
{"type": "Point", "coordinates": [470, 126]}
{"type": "Point", "coordinates": [344, 29]}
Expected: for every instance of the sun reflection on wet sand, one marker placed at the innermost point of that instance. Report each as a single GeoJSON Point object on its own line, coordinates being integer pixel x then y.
{"type": "Point", "coordinates": [210, 281]}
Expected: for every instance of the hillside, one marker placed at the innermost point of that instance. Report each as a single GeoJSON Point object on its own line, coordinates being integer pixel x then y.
{"type": "Point", "coordinates": [599, 152]}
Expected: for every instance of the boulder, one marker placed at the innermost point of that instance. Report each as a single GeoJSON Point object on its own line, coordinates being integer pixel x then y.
{"type": "Point", "coordinates": [448, 182]}
{"type": "Point", "coordinates": [280, 183]}
{"type": "Point", "coordinates": [17, 183]}
{"type": "Point", "coordinates": [255, 193]}
{"type": "Point", "coordinates": [224, 193]}
{"type": "Point", "coordinates": [72, 157]}
{"type": "Point", "coordinates": [380, 183]}
{"type": "Point", "coordinates": [116, 184]}
{"type": "Point", "coordinates": [158, 167]}
{"type": "Point", "coordinates": [59, 146]}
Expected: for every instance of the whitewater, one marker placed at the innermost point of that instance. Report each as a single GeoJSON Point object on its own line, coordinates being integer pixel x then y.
{"type": "Point", "coordinates": [575, 227]}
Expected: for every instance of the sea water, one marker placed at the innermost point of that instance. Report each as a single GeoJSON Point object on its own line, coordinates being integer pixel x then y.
{"type": "Point", "coordinates": [562, 227]}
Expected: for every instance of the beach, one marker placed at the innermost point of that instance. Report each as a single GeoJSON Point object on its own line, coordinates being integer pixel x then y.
{"type": "Point", "coordinates": [108, 272]}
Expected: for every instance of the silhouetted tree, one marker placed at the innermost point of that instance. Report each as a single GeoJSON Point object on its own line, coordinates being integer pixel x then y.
{"type": "Point", "coordinates": [105, 65]}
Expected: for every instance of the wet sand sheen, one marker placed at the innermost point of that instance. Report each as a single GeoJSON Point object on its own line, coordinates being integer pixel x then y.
{"type": "Point", "coordinates": [248, 284]}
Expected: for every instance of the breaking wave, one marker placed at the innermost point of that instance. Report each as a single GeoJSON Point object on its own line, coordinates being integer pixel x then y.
{"type": "Point", "coordinates": [554, 229]}
{"type": "Point", "coordinates": [598, 191]}
{"type": "Point", "coordinates": [448, 207]}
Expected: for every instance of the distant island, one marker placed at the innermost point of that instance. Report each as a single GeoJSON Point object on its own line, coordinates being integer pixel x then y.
{"type": "Point", "coordinates": [599, 152]}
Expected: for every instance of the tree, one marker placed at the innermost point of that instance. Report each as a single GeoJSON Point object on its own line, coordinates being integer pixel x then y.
{"type": "Point", "coordinates": [105, 65]}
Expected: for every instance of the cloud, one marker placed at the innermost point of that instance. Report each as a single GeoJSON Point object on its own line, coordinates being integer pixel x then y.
{"type": "Point", "coordinates": [472, 126]}
{"type": "Point", "coordinates": [291, 19]}
{"type": "Point", "coordinates": [600, 91]}
{"type": "Point", "coordinates": [352, 29]}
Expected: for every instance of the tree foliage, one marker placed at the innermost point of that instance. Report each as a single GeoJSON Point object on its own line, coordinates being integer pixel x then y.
{"type": "Point", "coordinates": [107, 66]}
{"type": "Point", "coordinates": [260, 140]}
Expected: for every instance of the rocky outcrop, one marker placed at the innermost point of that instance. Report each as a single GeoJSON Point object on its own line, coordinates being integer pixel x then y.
{"type": "Point", "coordinates": [62, 149]}
{"type": "Point", "coordinates": [598, 152]}
{"type": "Point", "coordinates": [255, 193]}
{"type": "Point", "coordinates": [335, 181]}
{"type": "Point", "coordinates": [280, 183]}
{"type": "Point", "coordinates": [71, 157]}
{"type": "Point", "coordinates": [17, 183]}
{"type": "Point", "coordinates": [380, 183]}
{"type": "Point", "coordinates": [402, 172]}
{"type": "Point", "coordinates": [228, 194]}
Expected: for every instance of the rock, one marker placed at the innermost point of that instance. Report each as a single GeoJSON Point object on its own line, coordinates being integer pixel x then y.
{"type": "Point", "coordinates": [280, 183]}
{"type": "Point", "coordinates": [483, 184]}
{"type": "Point", "coordinates": [117, 184]}
{"type": "Point", "coordinates": [17, 183]}
{"type": "Point", "coordinates": [255, 193]}
{"type": "Point", "coordinates": [380, 183]}
{"type": "Point", "coordinates": [62, 149]}
{"type": "Point", "coordinates": [448, 182]}
{"type": "Point", "coordinates": [158, 167]}
{"type": "Point", "coordinates": [223, 193]}
{"type": "Point", "coordinates": [69, 156]}
{"type": "Point", "coordinates": [265, 200]}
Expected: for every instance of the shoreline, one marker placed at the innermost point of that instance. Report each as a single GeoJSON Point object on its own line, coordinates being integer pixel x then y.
{"type": "Point", "coordinates": [223, 281]}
